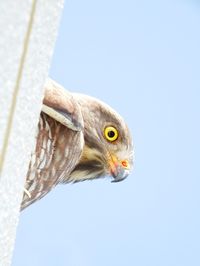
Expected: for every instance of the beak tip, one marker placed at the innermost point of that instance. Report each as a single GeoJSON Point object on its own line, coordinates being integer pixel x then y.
{"type": "Point", "coordinates": [117, 180]}
{"type": "Point", "coordinates": [120, 175]}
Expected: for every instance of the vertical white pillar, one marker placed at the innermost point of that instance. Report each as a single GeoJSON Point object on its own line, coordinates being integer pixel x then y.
{"type": "Point", "coordinates": [28, 33]}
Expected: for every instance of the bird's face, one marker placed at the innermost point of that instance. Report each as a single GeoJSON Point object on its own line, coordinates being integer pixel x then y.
{"type": "Point", "coordinates": [108, 148]}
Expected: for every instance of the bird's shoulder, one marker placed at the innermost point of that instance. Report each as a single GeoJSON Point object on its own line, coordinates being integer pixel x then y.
{"type": "Point", "coordinates": [60, 104]}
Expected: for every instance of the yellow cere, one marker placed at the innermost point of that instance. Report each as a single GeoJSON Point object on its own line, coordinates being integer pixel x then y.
{"type": "Point", "coordinates": [125, 164]}
{"type": "Point", "coordinates": [111, 133]}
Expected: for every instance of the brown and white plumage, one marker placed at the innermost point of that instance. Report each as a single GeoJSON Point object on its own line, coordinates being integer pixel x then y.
{"type": "Point", "coordinates": [74, 142]}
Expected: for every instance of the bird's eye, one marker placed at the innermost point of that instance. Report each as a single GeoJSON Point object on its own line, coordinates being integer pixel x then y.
{"type": "Point", "coordinates": [111, 133]}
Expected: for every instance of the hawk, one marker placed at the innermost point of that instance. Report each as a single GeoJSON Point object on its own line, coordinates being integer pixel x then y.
{"type": "Point", "coordinates": [78, 138]}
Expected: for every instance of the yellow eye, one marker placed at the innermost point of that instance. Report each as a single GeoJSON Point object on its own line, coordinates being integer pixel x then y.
{"type": "Point", "coordinates": [111, 133]}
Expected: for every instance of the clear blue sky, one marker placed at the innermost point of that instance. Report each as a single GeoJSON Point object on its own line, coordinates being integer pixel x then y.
{"type": "Point", "coordinates": [142, 58]}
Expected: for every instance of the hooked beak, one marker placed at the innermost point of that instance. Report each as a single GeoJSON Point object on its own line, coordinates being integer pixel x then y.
{"type": "Point", "coordinates": [121, 175]}
{"type": "Point", "coordinates": [119, 169]}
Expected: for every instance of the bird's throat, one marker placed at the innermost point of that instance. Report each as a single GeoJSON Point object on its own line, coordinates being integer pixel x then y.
{"type": "Point", "coordinates": [90, 166]}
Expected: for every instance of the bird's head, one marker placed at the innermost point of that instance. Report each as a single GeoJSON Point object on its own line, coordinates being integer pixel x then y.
{"type": "Point", "coordinates": [108, 148]}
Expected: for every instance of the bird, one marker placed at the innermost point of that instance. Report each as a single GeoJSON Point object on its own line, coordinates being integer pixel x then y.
{"type": "Point", "coordinates": [78, 138]}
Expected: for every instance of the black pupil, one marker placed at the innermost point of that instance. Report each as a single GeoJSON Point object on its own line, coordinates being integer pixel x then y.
{"type": "Point", "coordinates": [111, 134]}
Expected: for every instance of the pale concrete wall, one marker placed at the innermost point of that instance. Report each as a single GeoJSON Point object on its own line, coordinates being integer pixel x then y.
{"type": "Point", "coordinates": [28, 33]}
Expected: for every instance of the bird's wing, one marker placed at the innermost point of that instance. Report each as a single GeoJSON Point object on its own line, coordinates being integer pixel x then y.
{"type": "Point", "coordinates": [59, 143]}
{"type": "Point", "coordinates": [60, 105]}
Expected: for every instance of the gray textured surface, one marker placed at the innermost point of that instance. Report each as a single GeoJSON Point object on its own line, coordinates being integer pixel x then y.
{"type": "Point", "coordinates": [13, 24]}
